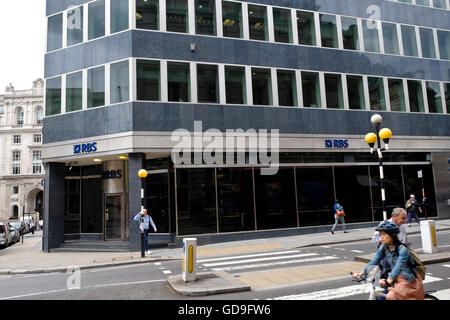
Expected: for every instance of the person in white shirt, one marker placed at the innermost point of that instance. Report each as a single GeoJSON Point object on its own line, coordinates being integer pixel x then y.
{"type": "Point", "coordinates": [147, 222]}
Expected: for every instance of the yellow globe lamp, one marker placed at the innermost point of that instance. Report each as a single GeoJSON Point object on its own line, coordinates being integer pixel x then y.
{"type": "Point", "coordinates": [142, 174]}
{"type": "Point", "coordinates": [371, 138]}
{"type": "Point", "coordinates": [385, 134]}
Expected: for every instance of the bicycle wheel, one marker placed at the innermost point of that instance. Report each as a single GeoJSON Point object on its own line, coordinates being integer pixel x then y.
{"type": "Point", "coordinates": [430, 297]}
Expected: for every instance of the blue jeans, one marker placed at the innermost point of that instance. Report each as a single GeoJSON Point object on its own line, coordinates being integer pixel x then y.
{"type": "Point", "coordinates": [412, 215]}
{"type": "Point", "coordinates": [146, 240]}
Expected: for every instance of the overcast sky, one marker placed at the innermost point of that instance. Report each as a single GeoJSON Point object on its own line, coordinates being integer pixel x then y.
{"type": "Point", "coordinates": [22, 42]}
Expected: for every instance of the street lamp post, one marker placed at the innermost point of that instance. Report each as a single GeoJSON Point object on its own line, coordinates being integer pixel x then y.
{"type": "Point", "coordinates": [385, 134]}
{"type": "Point", "coordinates": [142, 174]}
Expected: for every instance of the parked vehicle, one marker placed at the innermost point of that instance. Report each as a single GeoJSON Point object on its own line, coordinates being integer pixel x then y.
{"type": "Point", "coordinates": [6, 237]}
{"type": "Point", "coordinates": [15, 233]}
{"type": "Point", "coordinates": [18, 225]}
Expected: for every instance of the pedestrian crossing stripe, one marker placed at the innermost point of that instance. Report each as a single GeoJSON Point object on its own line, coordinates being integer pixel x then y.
{"type": "Point", "coordinates": [302, 255]}
{"type": "Point", "coordinates": [248, 256]}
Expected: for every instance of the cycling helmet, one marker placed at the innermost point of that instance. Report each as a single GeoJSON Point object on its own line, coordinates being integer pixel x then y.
{"type": "Point", "coordinates": [389, 227]}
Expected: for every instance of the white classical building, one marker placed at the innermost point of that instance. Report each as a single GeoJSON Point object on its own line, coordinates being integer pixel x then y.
{"type": "Point", "coordinates": [21, 169]}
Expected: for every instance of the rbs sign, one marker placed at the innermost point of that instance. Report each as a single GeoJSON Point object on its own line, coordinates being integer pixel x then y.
{"type": "Point", "coordinates": [337, 144]}
{"type": "Point", "coordinates": [85, 148]}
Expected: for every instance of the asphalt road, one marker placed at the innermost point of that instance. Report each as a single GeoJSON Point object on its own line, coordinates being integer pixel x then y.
{"type": "Point", "coordinates": [149, 281]}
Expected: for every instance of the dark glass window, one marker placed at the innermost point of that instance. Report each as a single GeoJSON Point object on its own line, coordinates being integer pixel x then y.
{"type": "Point", "coordinates": [409, 41]}
{"type": "Point", "coordinates": [235, 199]}
{"type": "Point", "coordinates": [275, 200]}
{"type": "Point", "coordinates": [96, 87]}
{"type": "Point", "coordinates": [207, 83]}
{"type": "Point", "coordinates": [74, 91]}
{"type": "Point", "coordinates": [287, 88]}
{"type": "Point", "coordinates": [282, 25]}
{"type": "Point", "coordinates": [439, 4]}
{"type": "Point", "coordinates": [376, 93]}
{"type": "Point", "coordinates": [447, 96]}
{"type": "Point", "coordinates": [315, 196]}
{"type": "Point", "coordinates": [147, 14]}
{"type": "Point", "coordinates": [427, 42]}
{"type": "Point", "coordinates": [72, 206]}
{"type": "Point", "coordinates": [413, 185]}
{"type": "Point", "coordinates": [306, 28]}
{"type": "Point", "coordinates": [370, 35]}
{"type": "Point", "coordinates": [196, 201]}
{"type": "Point", "coordinates": [390, 37]}
{"type": "Point", "coordinates": [444, 44]}
{"type": "Point", "coordinates": [120, 82]}
{"type": "Point", "coordinates": [262, 86]}
{"type": "Point", "coordinates": [232, 19]}
{"type": "Point", "coordinates": [75, 26]}
{"type": "Point", "coordinates": [205, 17]}
{"type": "Point", "coordinates": [434, 97]}
{"type": "Point", "coordinates": [257, 19]}
{"type": "Point", "coordinates": [328, 30]}
{"type": "Point", "coordinates": [415, 96]}
{"type": "Point", "coordinates": [333, 85]}
{"type": "Point", "coordinates": [235, 85]}
{"type": "Point", "coordinates": [91, 205]}
{"type": "Point", "coordinates": [54, 32]}
{"type": "Point", "coordinates": [350, 33]}
{"type": "Point", "coordinates": [148, 80]}
{"type": "Point", "coordinates": [178, 76]}
{"type": "Point", "coordinates": [311, 90]}
{"type": "Point", "coordinates": [396, 95]}
{"type": "Point", "coordinates": [53, 96]}
{"type": "Point", "coordinates": [177, 15]}
{"type": "Point", "coordinates": [96, 15]}
{"type": "Point", "coordinates": [119, 15]}
{"type": "Point", "coordinates": [355, 87]}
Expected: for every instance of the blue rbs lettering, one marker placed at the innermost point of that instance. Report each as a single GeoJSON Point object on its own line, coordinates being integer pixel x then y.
{"type": "Point", "coordinates": [336, 144]}
{"type": "Point", "coordinates": [85, 148]}
{"type": "Point", "coordinates": [113, 174]}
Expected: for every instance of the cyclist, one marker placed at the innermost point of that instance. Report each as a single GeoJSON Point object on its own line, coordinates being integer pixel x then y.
{"type": "Point", "coordinates": [408, 283]}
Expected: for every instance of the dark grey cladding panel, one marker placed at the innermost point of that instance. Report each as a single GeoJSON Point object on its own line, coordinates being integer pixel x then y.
{"type": "Point", "coordinates": [141, 116]}
{"type": "Point", "coordinates": [89, 123]}
{"type": "Point", "coordinates": [210, 49]}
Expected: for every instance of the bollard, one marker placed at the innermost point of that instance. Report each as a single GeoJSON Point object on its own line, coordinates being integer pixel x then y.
{"type": "Point", "coordinates": [428, 233]}
{"type": "Point", "coordinates": [189, 259]}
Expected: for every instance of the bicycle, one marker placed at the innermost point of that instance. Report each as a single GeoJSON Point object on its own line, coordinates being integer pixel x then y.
{"type": "Point", "coordinates": [376, 291]}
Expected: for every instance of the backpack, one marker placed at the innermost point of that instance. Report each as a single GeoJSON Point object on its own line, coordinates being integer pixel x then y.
{"type": "Point", "coordinates": [418, 264]}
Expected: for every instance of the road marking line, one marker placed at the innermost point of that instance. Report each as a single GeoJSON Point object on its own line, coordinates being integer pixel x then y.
{"type": "Point", "coordinates": [248, 256]}
{"type": "Point", "coordinates": [157, 263]}
{"type": "Point", "coordinates": [446, 265]}
{"type": "Point", "coordinates": [117, 268]}
{"type": "Point", "coordinates": [429, 279]}
{"type": "Point", "coordinates": [329, 293]}
{"type": "Point", "coordinates": [278, 263]}
{"type": "Point", "coordinates": [33, 294]}
{"type": "Point", "coordinates": [262, 259]}
{"type": "Point", "coordinates": [167, 271]}
{"type": "Point", "coordinates": [357, 251]}
{"type": "Point", "coordinates": [123, 284]}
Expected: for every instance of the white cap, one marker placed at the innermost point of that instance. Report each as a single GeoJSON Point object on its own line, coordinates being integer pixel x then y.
{"type": "Point", "coordinates": [412, 196]}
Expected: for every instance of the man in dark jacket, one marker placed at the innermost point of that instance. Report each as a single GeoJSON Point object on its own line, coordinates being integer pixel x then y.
{"type": "Point", "coordinates": [413, 209]}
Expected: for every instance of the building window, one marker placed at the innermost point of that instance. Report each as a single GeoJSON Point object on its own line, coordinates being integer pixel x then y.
{"type": "Point", "coordinates": [96, 87]}
{"type": "Point", "coordinates": [262, 86]}
{"type": "Point", "coordinates": [370, 35]}
{"type": "Point", "coordinates": [390, 38]}
{"type": "Point", "coordinates": [54, 32]}
{"type": "Point", "coordinates": [96, 17]}
{"type": "Point", "coordinates": [376, 94]}
{"type": "Point", "coordinates": [40, 116]}
{"type": "Point", "coordinates": [2, 110]}
{"type": "Point", "coordinates": [311, 90]}
{"type": "Point", "coordinates": [423, 3]}
{"type": "Point", "coordinates": [148, 80]}
{"type": "Point", "coordinates": [205, 17]}
{"type": "Point", "coordinates": [177, 13]}
{"type": "Point", "coordinates": [447, 96]}
{"type": "Point", "coordinates": [434, 97]}
{"type": "Point", "coordinates": [415, 96]}
{"type": "Point", "coordinates": [355, 88]}
{"type": "Point", "coordinates": [17, 139]}
{"type": "Point", "coordinates": [396, 95]}
{"type": "Point", "coordinates": [119, 15]}
{"type": "Point", "coordinates": [232, 19]}
{"type": "Point", "coordinates": [257, 19]}
{"type": "Point", "coordinates": [37, 163]}
{"type": "Point", "coordinates": [333, 85]}
{"type": "Point", "coordinates": [16, 162]}
{"type": "Point", "coordinates": [439, 4]}
{"type": "Point", "coordinates": [409, 41]}
{"type": "Point", "coordinates": [19, 117]}
{"type": "Point", "coordinates": [74, 91]}
{"type": "Point", "coordinates": [287, 88]}
{"type": "Point", "coordinates": [53, 96]}
{"type": "Point", "coordinates": [147, 14]}
{"type": "Point", "coordinates": [427, 41]}
{"type": "Point", "coordinates": [15, 190]}
{"type": "Point", "coordinates": [37, 138]}
{"type": "Point", "coordinates": [282, 25]}
{"type": "Point", "coordinates": [120, 79]}
{"type": "Point", "coordinates": [306, 28]}
{"type": "Point", "coordinates": [350, 33]}
{"type": "Point", "coordinates": [444, 44]}
{"type": "Point", "coordinates": [235, 85]}
{"type": "Point", "coordinates": [75, 26]}
{"type": "Point", "coordinates": [179, 84]}
{"type": "Point", "coordinates": [207, 83]}
{"type": "Point", "coordinates": [328, 31]}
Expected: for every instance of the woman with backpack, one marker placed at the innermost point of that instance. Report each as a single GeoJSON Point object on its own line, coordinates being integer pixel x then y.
{"type": "Point", "coordinates": [408, 281]}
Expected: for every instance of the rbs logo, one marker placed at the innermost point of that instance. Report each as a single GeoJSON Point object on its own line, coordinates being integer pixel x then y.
{"type": "Point", "coordinates": [113, 174]}
{"type": "Point", "coordinates": [337, 144]}
{"type": "Point", "coordinates": [85, 148]}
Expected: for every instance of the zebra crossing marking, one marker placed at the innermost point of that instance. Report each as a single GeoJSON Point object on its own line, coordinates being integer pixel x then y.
{"type": "Point", "coordinates": [227, 263]}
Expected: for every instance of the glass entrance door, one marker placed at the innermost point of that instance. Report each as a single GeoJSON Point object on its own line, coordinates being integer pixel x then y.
{"type": "Point", "coordinates": [113, 217]}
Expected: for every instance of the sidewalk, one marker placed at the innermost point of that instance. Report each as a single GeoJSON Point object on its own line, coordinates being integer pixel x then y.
{"type": "Point", "coordinates": [28, 257]}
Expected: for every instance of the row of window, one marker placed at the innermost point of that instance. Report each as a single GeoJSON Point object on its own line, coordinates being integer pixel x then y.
{"type": "Point", "coordinates": [232, 84]}
{"type": "Point", "coordinates": [36, 163]}
{"type": "Point", "coordinates": [439, 4]}
{"type": "Point", "coordinates": [264, 24]}
{"type": "Point", "coordinates": [19, 117]}
{"type": "Point", "coordinates": [17, 138]}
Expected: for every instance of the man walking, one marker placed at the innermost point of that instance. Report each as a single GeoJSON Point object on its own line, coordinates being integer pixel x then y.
{"type": "Point", "coordinates": [413, 208]}
{"type": "Point", "coordinates": [147, 222]}
{"type": "Point", "coordinates": [338, 216]}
